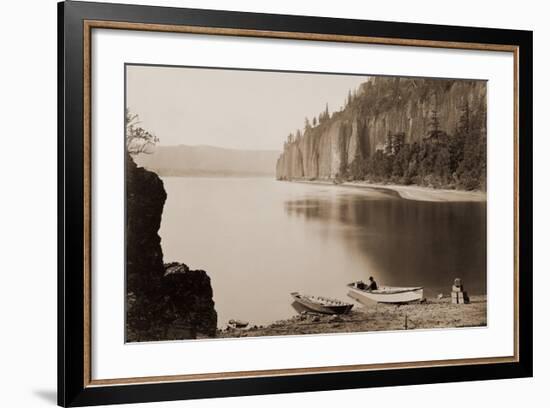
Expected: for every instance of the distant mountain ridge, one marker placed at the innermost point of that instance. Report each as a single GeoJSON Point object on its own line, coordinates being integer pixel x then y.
{"type": "Point", "coordinates": [204, 160]}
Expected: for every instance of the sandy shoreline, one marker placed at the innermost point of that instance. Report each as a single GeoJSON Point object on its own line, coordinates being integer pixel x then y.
{"type": "Point", "coordinates": [411, 192]}
{"type": "Point", "coordinates": [435, 313]}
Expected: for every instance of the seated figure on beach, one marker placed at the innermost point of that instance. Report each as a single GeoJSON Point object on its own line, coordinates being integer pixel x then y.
{"type": "Point", "coordinates": [372, 284]}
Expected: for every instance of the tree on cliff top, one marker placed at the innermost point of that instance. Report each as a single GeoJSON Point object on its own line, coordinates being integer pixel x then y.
{"type": "Point", "coordinates": [325, 115]}
{"type": "Point", "coordinates": [138, 140]}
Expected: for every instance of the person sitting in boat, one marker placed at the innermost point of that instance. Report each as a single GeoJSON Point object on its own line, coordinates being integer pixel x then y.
{"type": "Point", "coordinates": [372, 284]}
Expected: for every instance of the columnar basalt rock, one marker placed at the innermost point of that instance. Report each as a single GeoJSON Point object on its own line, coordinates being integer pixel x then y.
{"type": "Point", "coordinates": [383, 105]}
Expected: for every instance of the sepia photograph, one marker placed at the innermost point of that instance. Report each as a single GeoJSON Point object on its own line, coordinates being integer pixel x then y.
{"type": "Point", "coordinates": [252, 203]}
{"type": "Point", "coordinates": [276, 203]}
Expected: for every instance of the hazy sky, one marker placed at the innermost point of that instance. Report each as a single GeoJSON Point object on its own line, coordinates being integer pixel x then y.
{"type": "Point", "coordinates": [228, 108]}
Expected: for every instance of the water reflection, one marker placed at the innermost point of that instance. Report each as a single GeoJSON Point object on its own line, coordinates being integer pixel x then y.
{"type": "Point", "coordinates": [408, 242]}
{"type": "Point", "coordinates": [260, 239]}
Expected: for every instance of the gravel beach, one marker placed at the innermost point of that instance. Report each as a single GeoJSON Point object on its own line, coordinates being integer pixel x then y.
{"type": "Point", "coordinates": [432, 314]}
{"type": "Point", "coordinates": [410, 192]}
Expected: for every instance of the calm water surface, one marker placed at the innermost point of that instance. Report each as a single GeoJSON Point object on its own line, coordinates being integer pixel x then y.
{"type": "Point", "coordinates": [260, 239]}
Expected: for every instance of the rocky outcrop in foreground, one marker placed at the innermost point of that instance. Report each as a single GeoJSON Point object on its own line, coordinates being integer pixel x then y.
{"type": "Point", "coordinates": [164, 302]}
{"type": "Point", "coordinates": [190, 298]}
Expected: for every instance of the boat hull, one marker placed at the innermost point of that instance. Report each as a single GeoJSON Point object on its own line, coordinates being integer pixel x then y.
{"type": "Point", "coordinates": [385, 295]}
{"type": "Point", "coordinates": [319, 308]}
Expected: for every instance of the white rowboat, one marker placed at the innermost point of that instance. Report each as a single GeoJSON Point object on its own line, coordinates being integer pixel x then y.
{"type": "Point", "coordinates": [386, 294]}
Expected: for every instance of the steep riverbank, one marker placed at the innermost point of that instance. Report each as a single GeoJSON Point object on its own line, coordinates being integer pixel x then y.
{"type": "Point", "coordinates": [411, 192]}
{"type": "Point", "coordinates": [163, 301]}
{"type": "Point", "coordinates": [422, 131]}
{"type": "Point", "coordinates": [433, 314]}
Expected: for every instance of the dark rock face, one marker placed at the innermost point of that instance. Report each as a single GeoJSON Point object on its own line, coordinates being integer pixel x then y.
{"type": "Point", "coordinates": [159, 297]}
{"type": "Point", "coordinates": [145, 198]}
{"type": "Point", "coordinates": [383, 105]}
{"type": "Point", "coordinates": [190, 297]}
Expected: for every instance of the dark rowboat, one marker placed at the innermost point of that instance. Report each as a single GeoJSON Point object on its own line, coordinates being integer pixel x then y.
{"type": "Point", "coordinates": [322, 304]}
{"type": "Point", "coordinates": [237, 324]}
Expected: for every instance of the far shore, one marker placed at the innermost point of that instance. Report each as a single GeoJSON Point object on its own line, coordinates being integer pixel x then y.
{"type": "Point", "coordinates": [433, 314]}
{"type": "Point", "coordinates": [410, 192]}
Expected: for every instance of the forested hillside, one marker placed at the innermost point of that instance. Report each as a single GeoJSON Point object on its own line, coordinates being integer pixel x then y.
{"type": "Point", "coordinates": [429, 132]}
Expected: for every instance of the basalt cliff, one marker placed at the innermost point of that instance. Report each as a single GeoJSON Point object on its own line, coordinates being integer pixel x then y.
{"type": "Point", "coordinates": [382, 106]}
{"type": "Point", "coordinates": [163, 301]}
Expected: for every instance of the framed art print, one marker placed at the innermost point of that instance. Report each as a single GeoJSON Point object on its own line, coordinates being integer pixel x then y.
{"type": "Point", "coordinates": [253, 203]}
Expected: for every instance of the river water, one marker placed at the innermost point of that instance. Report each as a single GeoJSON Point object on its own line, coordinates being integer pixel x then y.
{"type": "Point", "coordinates": [260, 239]}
